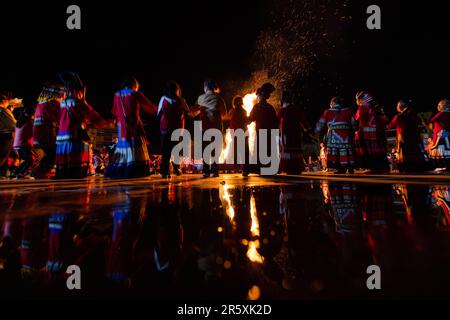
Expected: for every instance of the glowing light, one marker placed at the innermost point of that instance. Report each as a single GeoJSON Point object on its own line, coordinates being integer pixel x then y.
{"type": "Point", "coordinates": [226, 198]}
{"type": "Point", "coordinates": [253, 216]}
{"type": "Point", "coordinates": [253, 254]}
{"type": "Point", "coordinates": [254, 293]}
{"type": "Point", "coordinates": [249, 102]}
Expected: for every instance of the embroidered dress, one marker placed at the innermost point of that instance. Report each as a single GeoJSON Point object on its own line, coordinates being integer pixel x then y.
{"type": "Point", "coordinates": [439, 151]}
{"type": "Point", "coordinates": [131, 158]}
{"type": "Point", "coordinates": [409, 153]}
{"type": "Point", "coordinates": [172, 118]}
{"type": "Point", "coordinates": [339, 142]}
{"type": "Point", "coordinates": [72, 149]}
{"type": "Point", "coordinates": [370, 139]}
{"type": "Point", "coordinates": [46, 120]}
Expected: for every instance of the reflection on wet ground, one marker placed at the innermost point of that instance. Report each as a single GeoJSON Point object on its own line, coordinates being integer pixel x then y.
{"type": "Point", "coordinates": [230, 237]}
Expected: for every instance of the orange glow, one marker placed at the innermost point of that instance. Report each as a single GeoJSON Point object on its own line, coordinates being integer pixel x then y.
{"type": "Point", "coordinates": [254, 293]}
{"type": "Point", "coordinates": [253, 216]}
{"type": "Point", "coordinates": [226, 198]}
{"type": "Point", "coordinates": [249, 102]}
{"type": "Point", "coordinates": [253, 254]}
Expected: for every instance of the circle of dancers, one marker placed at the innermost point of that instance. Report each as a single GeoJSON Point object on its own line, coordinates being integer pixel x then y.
{"type": "Point", "coordinates": [51, 140]}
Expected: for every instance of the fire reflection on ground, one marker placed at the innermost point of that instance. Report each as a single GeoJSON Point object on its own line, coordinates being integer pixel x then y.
{"type": "Point", "coordinates": [251, 239]}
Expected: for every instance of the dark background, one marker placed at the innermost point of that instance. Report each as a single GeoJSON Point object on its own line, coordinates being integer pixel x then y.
{"type": "Point", "coordinates": [190, 40]}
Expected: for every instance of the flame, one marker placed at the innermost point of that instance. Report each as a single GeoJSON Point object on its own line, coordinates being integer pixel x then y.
{"type": "Point", "coordinates": [249, 102]}
{"type": "Point", "coordinates": [253, 254]}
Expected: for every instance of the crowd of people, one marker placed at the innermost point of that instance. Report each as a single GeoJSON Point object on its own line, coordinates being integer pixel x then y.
{"type": "Point", "coordinates": [50, 139]}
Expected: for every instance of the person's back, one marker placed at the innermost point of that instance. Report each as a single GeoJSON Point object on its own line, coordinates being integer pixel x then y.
{"type": "Point", "coordinates": [172, 114]}
{"type": "Point", "coordinates": [213, 107]}
{"type": "Point", "coordinates": [292, 118]}
{"type": "Point", "coordinates": [265, 116]}
{"type": "Point", "coordinates": [69, 122]}
{"type": "Point", "coordinates": [46, 119]}
{"type": "Point", "coordinates": [238, 119]}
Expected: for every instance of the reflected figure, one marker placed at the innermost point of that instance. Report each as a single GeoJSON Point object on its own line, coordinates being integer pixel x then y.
{"type": "Point", "coordinates": [121, 251]}
{"type": "Point", "coordinates": [33, 249]}
{"type": "Point", "coordinates": [11, 234]}
{"type": "Point", "coordinates": [61, 249]}
{"type": "Point", "coordinates": [157, 251]}
{"type": "Point", "coordinates": [343, 206]}
{"type": "Point", "coordinates": [441, 199]}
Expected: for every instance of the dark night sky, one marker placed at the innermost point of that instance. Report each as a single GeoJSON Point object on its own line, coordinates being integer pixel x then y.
{"type": "Point", "coordinates": [190, 40]}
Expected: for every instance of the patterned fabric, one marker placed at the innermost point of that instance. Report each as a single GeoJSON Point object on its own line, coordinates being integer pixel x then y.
{"type": "Point", "coordinates": [72, 153]}
{"type": "Point", "coordinates": [131, 158]}
{"type": "Point", "coordinates": [370, 139]}
{"type": "Point", "coordinates": [344, 207]}
{"type": "Point", "coordinates": [46, 118]}
{"type": "Point", "coordinates": [340, 148]}
{"type": "Point", "coordinates": [439, 150]}
{"type": "Point", "coordinates": [72, 159]}
{"type": "Point", "coordinates": [409, 152]}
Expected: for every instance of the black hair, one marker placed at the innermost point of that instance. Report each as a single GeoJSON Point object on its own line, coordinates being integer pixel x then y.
{"type": "Point", "coordinates": [171, 89]}
{"type": "Point", "coordinates": [128, 82]}
{"type": "Point", "coordinates": [211, 84]}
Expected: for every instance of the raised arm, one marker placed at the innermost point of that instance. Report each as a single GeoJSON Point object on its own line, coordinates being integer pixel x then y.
{"type": "Point", "coordinates": [91, 116]}
{"type": "Point", "coordinates": [321, 124]}
{"type": "Point", "coordinates": [146, 105]}
{"type": "Point", "coordinates": [393, 123]}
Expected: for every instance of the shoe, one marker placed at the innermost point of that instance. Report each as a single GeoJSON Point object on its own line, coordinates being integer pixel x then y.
{"type": "Point", "coordinates": [177, 172]}
{"type": "Point", "coordinates": [340, 171]}
{"type": "Point", "coordinates": [205, 175]}
{"type": "Point", "coordinates": [245, 174]}
{"type": "Point", "coordinates": [215, 175]}
{"type": "Point", "coordinates": [351, 171]}
{"type": "Point", "coordinates": [166, 176]}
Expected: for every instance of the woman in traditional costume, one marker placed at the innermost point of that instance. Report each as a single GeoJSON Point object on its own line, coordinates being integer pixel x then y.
{"type": "Point", "coordinates": [409, 152]}
{"type": "Point", "coordinates": [46, 120]}
{"type": "Point", "coordinates": [439, 149]}
{"type": "Point", "coordinates": [371, 143]}
{"type": "Point", "coordinates": [131, 158]}
{"type": "Point", "coordinates": [23, 143]}
{"type": "Point", "coordinates": [172, 109]}
{"type": "Point", "coordinates": [72, 141]}
{"type": "Point", "coordinates": [293, 125]}
{"type": "Point", "coordinates": [340, 124]}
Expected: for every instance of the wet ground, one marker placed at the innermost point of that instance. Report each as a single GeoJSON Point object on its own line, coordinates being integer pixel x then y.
{"type": "Point", "coordinates": [309, 237]}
